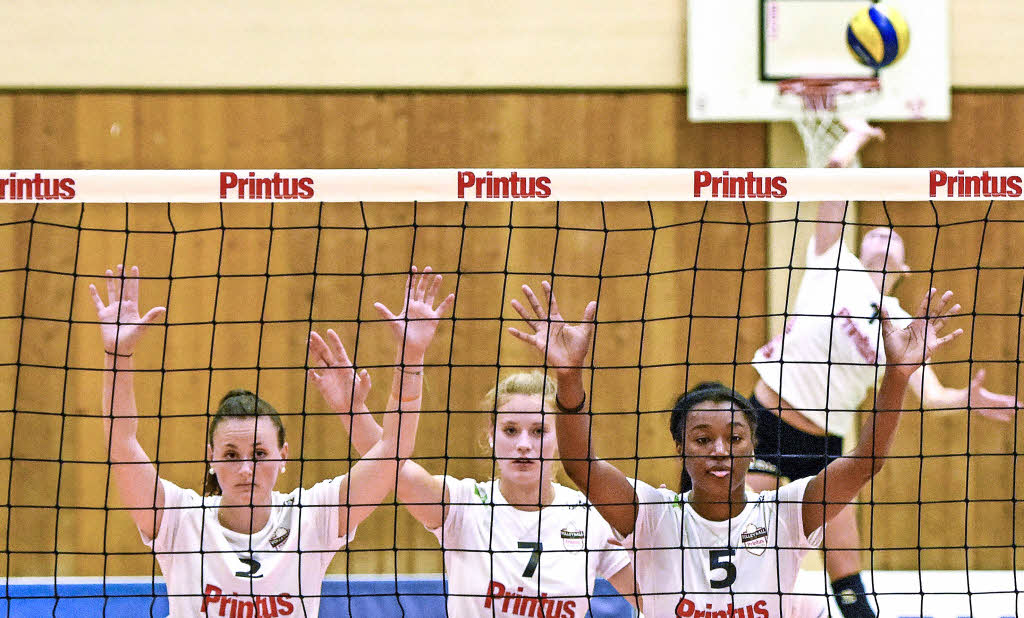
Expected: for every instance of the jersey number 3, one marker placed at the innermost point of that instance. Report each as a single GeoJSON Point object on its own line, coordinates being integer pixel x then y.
{"type": "Point", "coordinates": [531, 566]}
{"type": "Point", "coordinates": [720, 560]}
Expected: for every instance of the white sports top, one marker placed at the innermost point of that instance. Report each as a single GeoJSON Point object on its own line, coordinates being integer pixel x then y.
{"type": "Point", "coordinates": [688, 566]}
{"type": "Point", "coordinates": [278, 571]}
{"type": "Point", "coordinates": [831, 352]}
{"type": "Point", "coordinates": [503, 561]}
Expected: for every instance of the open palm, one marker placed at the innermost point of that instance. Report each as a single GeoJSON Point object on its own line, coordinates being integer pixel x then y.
{"type": "Point", "coordinates": [415, 326]}
{"type": "Point", "coordinates": [121, 326]}
{"type": "Point", "coordinates": [563, 345]}
{"type": "Point", "coordinates": [334, 376]}
{"type": "Point", "coordinates": [909, 348]}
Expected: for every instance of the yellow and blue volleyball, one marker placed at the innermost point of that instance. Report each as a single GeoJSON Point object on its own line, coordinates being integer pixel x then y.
{"type": "Point", "coordinates": [878, 36]}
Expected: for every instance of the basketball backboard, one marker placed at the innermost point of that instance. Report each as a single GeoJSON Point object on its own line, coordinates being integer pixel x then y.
{"type": "Point", "coordinates": [738, 51]}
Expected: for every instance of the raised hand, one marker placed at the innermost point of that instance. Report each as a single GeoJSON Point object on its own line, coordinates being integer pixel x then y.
{"type": "Point", "coordinates": [414, 327]}
{"type": "Point", "coordinates": [995, 406]}
{"type": "Point", "coordinates": [563, 345]}
{"type": "Point", "coordinates": [907, 349]}
{"type": "Point", "coordinates": [121, 326]}
{"type": "Point", "coordinates": [334, 374]}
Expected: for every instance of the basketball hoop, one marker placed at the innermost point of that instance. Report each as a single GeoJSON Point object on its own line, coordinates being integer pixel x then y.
{"type": "Point", "coordinates": [821, 103]}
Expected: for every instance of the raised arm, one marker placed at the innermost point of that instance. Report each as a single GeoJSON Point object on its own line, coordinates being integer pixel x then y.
{"type": "Point", "coordinates": [375, 475]}
{"type": "Point", "coordinates": [828, 228]}
{"type": "Point", "coordinates": [933, 395]}
{"type": "Point", "coordinates": [414, 328]}
{"type": "Point", "coordinates": [423, 494]}
{"type": "Point", "coordinates": [121, 327]}
{"type": "Point", "coordinates": [564, 348]}
{"type": "Point", "coordinates": [906, 351]}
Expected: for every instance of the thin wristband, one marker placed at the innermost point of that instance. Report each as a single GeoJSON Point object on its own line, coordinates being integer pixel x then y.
{"type": "Point", "coordinates": [414, 372]}
{"type": "Point", "coordinates": [120, 355]}
{"type": "Point", "coordinates": [565, 410]}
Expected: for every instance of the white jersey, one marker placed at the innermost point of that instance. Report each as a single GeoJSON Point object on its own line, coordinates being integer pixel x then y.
{"type": "Point", "coordinates": [688, 566]}
{"type": "Point", "coordinates": [502, 561]}
{"type": "Point", "coordinates": [831, 352]}
{"type": "Point", "coordinates": [278, 571]}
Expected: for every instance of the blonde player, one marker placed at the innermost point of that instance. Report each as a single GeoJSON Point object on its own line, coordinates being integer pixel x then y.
{"type": "Point", "coordinates": [815, 375]}
{"type": "Point", "coordinates": [720, 550]}
{"type": "Point", "coordinates": [247, 550]}
{"type": "Point", "coordinates": [518, 545]}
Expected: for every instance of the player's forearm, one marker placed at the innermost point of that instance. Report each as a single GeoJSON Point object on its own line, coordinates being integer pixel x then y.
{"type": "Point", "coordinates": [363, 430]}
{"type": "Point", "coordinates": [570, 393]}
{"type": "Point", "coordinates": [398, 439]}
{"type": "Point", "coordinates": [120, 414]}
{"type": "Point", "coordinates": [407, 384]}
{"type": "Point", "coordinates": [878, 433]}
{"type": "Point", "coordinates": [574, 445]}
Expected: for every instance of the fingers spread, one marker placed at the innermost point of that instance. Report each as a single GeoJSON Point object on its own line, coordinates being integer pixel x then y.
{"type": "Point", "coordinates": [153, 315]}
{"type": "Point", "coordinates": [446, 305]}
{"type": "Point", "coordinates": [538, 309]}
{"type": "Point", "coordinates": [433, 289]}
{"type": "Point", "coordinates": [423, 281]}
{"type": "Point", "coordinates": [926, 302]}
{"type": "Point", "coordinates": [113, 296]}
{"type": "Point", "coordinates": [950, 337]}
{"type": "Point", "coordinates": [518, 334]}
{"type": "Point", "coordinates": [131, 284]}
{"type": "Point", "coordinates": [338, 349]}
{"type": "Point", "coordinates": [318, 350]}
{"type": "Point", "coordinates": [522, 313]}
{"type": "Point", "coordinates": [96, 300]}
{"type": "Point", "coordinates": [384, 312]}
{"type": "Point", "coordinates": [550, 295]}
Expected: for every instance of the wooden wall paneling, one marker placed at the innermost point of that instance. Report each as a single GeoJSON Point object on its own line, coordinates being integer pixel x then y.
{"type": "Point", "coordinates": [239, 130]}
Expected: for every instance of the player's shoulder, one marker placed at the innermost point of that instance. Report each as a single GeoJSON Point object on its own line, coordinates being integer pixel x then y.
{"type": "Point", "coordinates": [176, 496]}
{"type": "Point", "coordinates": [571, 500]}
{"type": "Point", "coordinates": [792, 491]}
{"type": "Point", "coordinates": [647, 493]}
{"type": "Point", "coordinates": [323, 492]}
{"type": "Point", "coordinates": [469, 490]}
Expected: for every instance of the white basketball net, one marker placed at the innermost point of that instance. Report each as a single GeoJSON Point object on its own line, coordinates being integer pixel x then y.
{"type": "Point", "coordinates": [818, 104]}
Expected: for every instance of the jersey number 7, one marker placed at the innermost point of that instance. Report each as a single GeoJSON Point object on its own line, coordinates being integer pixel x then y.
{"type": "Point", "coordinates": [531, 566]}
{"type": "Point", "coordinates": [720, 560]}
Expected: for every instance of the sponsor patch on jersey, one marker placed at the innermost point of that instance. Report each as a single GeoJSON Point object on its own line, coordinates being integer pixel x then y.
{"type": "Point", "coordinates": [279, 537]}
{"type": "Point", "coordinates": [573, 538]}
{"type": "Point", "coordinates": [755, 539]}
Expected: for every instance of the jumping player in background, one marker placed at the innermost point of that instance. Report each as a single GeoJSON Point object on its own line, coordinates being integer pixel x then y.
{"type": "Point", "coordinates": [517, 545]}
{"type": "Point", "coordinates": [243, 549]}
{"type": "Point", "coordinates": [815, 376]}
{"type": "Point", "coordinates": [719, 549]}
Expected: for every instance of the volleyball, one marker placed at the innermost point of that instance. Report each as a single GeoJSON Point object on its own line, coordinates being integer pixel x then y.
{"type": "Point", "coordinates": [877, 36]}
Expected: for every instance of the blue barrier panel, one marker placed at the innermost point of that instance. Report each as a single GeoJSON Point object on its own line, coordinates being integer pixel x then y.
{"type": "Point", "coordinates": [358, 597]}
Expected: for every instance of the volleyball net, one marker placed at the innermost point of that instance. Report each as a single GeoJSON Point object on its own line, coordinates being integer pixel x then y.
{"type": "Point", "coordinates": [693, 271]}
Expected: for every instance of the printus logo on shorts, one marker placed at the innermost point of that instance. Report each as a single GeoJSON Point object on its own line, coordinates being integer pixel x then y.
{"type": "Point", "coordinates": [572, 538]}
{"type": "Point", "coordinates": [755, 539]}
{"type": "Point", "coordinates": [238, 606]}
{"type": "Point", "coordinates": [517, 604]}
{"type": "Point", "coordinates": [687, 609]}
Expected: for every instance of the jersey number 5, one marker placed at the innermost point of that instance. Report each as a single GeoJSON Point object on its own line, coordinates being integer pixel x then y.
{"type": "Point", "coordinates": [531, 566]}
{"type": "Point", "coordinates": [720, 560]}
